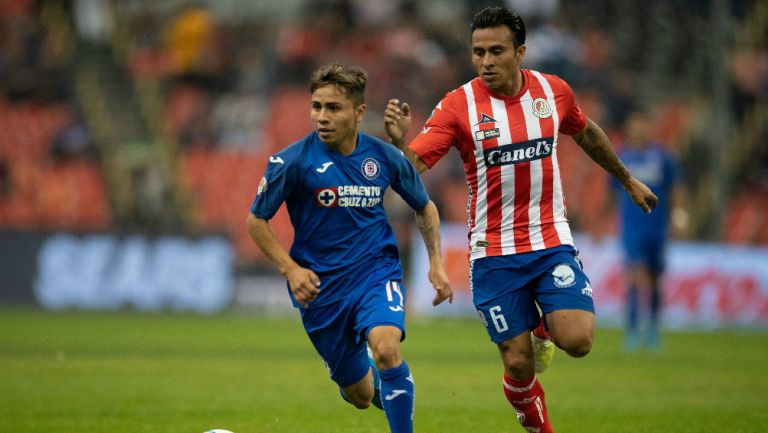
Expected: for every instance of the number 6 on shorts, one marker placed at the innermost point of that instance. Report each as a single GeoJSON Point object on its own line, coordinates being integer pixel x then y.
{"type": "Point", "coordinates": [498, 319]}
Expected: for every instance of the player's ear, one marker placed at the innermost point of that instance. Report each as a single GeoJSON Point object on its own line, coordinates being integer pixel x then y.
{"type": "Point", "coordinates": [520, 53]}
{"type": "Point", "coordinates": [359, 112]}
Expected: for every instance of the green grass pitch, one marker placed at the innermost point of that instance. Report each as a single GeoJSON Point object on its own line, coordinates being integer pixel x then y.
{"type": "Point", "coordinates": [131, 373]}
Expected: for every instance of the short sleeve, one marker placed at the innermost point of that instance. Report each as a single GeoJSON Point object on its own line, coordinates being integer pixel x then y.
{"type": "Point", "coordinates": [574, 120]}
{"type": "Point", "coordinates": [407, 183]}
{"type": "Point", "coordinates": [438, 135]}
{"type": "Point", "coordinates": [276, 185]}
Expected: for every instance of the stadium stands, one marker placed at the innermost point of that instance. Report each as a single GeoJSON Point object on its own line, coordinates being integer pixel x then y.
{"type": "Point", "coordinates": [217, 179]}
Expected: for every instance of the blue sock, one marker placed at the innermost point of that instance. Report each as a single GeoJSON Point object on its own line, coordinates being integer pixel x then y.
{"type": "Point", "coordinates": [398, 393]}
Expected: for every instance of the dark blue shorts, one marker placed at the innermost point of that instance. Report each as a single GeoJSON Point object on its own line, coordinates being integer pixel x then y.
{"type": "Point", "coordinates": [339, 331]}
{"type": "Point", "coordinates": [647, 251]}
{"type": "Point", "coordinates": [507, 289]}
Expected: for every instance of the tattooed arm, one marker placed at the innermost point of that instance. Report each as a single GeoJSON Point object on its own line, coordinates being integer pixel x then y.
{"type": "Point", "coordinates": [596, 144]}
{"type": "Point", "coordinates": [428, 221]}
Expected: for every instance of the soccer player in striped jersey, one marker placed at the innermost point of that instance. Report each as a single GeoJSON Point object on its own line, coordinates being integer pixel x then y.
{"type": "Point", "coordinates": [343, 270]}
{"type": "Point", "coordinates": [505, 125]}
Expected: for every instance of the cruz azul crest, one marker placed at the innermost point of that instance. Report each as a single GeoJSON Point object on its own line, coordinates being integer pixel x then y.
{"type": "Point", "coordinates": [370, 168]}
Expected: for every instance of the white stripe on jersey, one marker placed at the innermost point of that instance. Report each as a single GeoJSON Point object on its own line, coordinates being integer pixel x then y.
{"type": "Point", "coordinates": [558, 201]}
{"type": "Point", "coordinates": [481, 202]}
{"type": "Point", "coordinates": [507, 239]}
{"type": "Point", "coordinates": [533, 126]}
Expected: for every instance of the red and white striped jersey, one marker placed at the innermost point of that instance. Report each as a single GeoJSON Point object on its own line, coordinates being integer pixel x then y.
{"type": "Point", "coordinates": [508, 145]}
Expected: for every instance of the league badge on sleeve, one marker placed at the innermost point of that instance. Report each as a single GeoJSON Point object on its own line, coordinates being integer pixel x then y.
{"type": "Point", "coordinates": [262, 186]}
{"type": "Point", "coordinates": [370, 168]}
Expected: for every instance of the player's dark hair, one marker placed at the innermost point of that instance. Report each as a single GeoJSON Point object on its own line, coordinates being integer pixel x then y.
{"type": "Point", "coordinates": [351, 80]}
{"type": "Point", "coordinates": [497, 16]}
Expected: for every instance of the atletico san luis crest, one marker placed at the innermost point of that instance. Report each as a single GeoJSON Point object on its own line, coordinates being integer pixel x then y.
{"type": "Point", "coordinates": [541, 108]}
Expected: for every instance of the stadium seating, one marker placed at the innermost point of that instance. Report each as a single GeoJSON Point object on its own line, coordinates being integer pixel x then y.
{"type": "Point", "coordinates": [222, 186]}
{"type": "Point", "coordinates": [42, 192]}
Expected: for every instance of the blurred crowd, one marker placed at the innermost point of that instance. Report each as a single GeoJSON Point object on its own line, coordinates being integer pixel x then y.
{"type": "Point", "coordinates": [216, 87]}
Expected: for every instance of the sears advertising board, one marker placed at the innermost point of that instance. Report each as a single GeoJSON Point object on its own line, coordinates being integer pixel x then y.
{"type": "Point", "coordinates": [109, 272]}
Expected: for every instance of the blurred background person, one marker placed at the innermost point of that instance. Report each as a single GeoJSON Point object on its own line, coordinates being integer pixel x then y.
{"type": "Point", "coordinates": [644, 235]}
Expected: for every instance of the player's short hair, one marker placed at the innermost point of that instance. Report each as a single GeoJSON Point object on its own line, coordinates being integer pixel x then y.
{"type": "Point", "coordinates": [350, 79]}
{"type": "Point", "coordinates": [498, 16]}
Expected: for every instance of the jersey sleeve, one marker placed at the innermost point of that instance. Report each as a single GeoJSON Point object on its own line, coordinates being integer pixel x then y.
{"type": "Point", "coordinates": [574, 120]}
{"type": "Point", "coordinates": [438, 135]}
{"type": "Point", "coordinates": [407, 183]}
{"type": "Point", "coordinates": [276, 185]}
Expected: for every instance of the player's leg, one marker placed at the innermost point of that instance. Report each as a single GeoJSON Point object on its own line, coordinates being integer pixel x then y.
{"type": "Point", "coordinates": [361, 393]}
{"type": "Point", "coordinates": [632, 246]}
{"type": "Point", "coordinates": [509, 316]}
{"type": "Point", "coordinates": [397, 386]}
{"type": "Point", "coordinates": [565, 296]}
{"type": "Point", "coordinates": [331, 330]}
{"type": "Point", "coordinates": [381, 319]}
{"type": "Point", "coordinates": [653, 332]}
{"type": "Point", "coordinates": [638, 294]}
{"type": "Point", "coordinates": [631, 328]}
{"type": "Point", "coordinates": [655, 269]}
{"type": "Point", "coordinates": [572, 330]}
{"type": "Point", "coordinates": [521, 386]}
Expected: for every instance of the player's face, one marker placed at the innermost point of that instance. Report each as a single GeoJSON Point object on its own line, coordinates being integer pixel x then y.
{"type": "Point", "coordinates": [496, 59]}
{"type": "Point", "coordinates": [335, 117]}
{"type": "Point", "coordinates": [638, 130]}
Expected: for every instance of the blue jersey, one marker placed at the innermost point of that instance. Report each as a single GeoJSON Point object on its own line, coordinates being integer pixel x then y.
{"type": "Point", "coordinates": [335, 204]}
{"type": "Point", "coordinates": [657, 168]}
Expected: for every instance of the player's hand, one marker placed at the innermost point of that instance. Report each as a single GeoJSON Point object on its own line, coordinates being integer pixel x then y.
{"type": "Point", "coordinates": [305, 285]}
{"type": "Point", "coordinates": [642, 195]}
{"type": "Point", "coordinates": [397, 119]}
{"type": "Point", "coordinates": [439, 280]}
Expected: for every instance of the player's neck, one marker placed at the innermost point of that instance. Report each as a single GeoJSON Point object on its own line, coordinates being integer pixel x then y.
{"type": "Point", "coordinates": [345, 147]}
{"type": "Point", "coordinates": [514, 85]}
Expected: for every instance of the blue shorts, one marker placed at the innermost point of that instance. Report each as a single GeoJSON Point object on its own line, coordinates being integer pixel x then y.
{"type": "Point", "coordinates": [339, 331]}
{"type": "Point", "coordinates": [647, 251]}
{"type": "Point", "coordinates": [507, 289]}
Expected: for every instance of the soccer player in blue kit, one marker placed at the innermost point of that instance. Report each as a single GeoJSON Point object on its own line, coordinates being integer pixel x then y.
{"type": "Point", "coordinates": [343, 270]}
{"type": "Point", "coordinates": [644, 236]}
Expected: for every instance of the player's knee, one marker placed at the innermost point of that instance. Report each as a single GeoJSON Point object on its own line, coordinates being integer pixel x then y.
{"type": "Point", "coordinates": [519, 370]}
{"type": "Point", "coordinates": [386, 354]}
{"type": "Point", "coordinates": [518, 364]}
{"type": "Point", "coordinates": [578, 345]}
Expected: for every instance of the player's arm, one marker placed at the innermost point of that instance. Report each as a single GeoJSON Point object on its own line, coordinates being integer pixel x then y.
{"type": "Point", "coordinates": [397, 122]}
{"type": "Point", "coordinates": [598, 146]}
{"type": "Point", "coordinates": [428, 221]}
{"type": "Point", "coordinates": [304, 283]}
